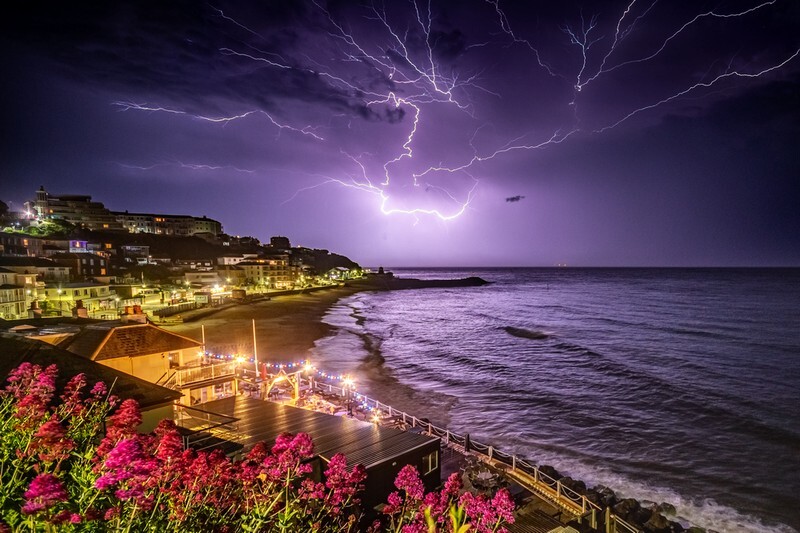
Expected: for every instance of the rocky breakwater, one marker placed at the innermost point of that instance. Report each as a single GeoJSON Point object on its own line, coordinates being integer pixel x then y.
{"type": "Point", "coordinates": [650, 517]}
{"type": "Point", "coordinates": [388, 282]}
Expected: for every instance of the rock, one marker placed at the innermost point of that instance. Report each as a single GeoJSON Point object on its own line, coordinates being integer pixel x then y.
{"type": "Point", "coordinates": [696, 529]}
{"type": "Point", "coordinates": [666, 508]}
{"type": "Point", "coordinates": [607, 496]}
{"type": "Point", "coordinates": [593, 496]}
{"type": "Point", "coordinates": [574, 484]}
{"type": "Point", "coordinates": [641, 515]}
{"type": "Point", "coordinates": [657, 523]}
{"type": "Point", "coordinates": [548, 470]}
{"type": "Point", "coordinates": [624, 508]}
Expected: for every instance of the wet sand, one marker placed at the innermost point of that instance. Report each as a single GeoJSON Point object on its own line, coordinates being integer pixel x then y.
{"type": "Point", "coordinates": [286, 326]}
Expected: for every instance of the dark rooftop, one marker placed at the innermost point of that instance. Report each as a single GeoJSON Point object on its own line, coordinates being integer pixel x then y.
{"type": "Point", "coordinates": [20, 261]}
{"type": "Point", "coordinates": [15, 350]}
{"type": "Point", "coordinates": [361, 442]}
{"type": "Point", "coordinates": [109, 340]}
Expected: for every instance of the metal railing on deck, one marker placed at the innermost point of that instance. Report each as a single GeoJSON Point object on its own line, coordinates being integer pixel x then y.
{"type": "Point", "coordinates": [204, 425]}
{"type": "Point", "coordinates": [186, 375]}
{"type": "Point", "coordinates": [521, 470]}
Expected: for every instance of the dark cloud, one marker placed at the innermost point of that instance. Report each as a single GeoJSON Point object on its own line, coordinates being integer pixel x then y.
{"type": "Point", "coordinates": [706, 177]}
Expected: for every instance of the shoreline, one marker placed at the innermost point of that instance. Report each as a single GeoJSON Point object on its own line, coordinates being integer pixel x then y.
{"type": "Point", "coordinates": [289, 324]}
{"type": "Point", "coordinates": [288, 327]}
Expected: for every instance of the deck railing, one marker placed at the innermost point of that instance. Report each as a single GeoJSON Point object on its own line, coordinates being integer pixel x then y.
{"type": "Point", "coordinates": [186, 375]}
{"type": "Point", "coordinates": [204, 425]}
{"type": "Point", "coordinates": [519, 468]}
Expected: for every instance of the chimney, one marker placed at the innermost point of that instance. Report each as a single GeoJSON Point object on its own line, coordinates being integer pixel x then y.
{"type": "Point", "coordinates": [79, 311]}
{"type": "Point", "coordinates": [133, 315]}
{"type": "Point", "coordinates": [35, 311]}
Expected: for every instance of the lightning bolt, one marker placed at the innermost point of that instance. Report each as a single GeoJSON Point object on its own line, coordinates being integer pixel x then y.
{"type": "Point", "coordinates": [726, 75]}
{"type": "Point", "coordinates": [132, 106]}
{"type": "Point", "coordinates": [404, 75]}
{"type": "Point", "coordinates": [190, 166]}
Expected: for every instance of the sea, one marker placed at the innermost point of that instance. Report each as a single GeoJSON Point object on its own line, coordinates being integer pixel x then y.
{"type": "Point", "coordinates": [666, 385]}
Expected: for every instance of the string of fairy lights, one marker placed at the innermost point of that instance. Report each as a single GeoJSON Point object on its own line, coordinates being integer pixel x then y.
{"type": "Point", "coordinates": [296, 366]}
{"type": "Point", "coordinates": [303, 364]}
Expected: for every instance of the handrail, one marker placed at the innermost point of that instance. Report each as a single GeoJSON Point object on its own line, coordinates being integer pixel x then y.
{"type": "Point", "coordinates": [194, 373]}
{"type": "Point", "coordinates": [226, 420]}
{"type": "Point", "coordinates": [521, 470]}
{"type": "Point", "coordinates": [544, 485]}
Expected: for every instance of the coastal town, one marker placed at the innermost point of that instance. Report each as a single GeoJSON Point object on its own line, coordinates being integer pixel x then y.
{"type": "Point", "coordinates": [126, 298]}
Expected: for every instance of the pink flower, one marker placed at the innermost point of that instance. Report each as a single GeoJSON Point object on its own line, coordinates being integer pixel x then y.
{"type": "Point", "coordinates": [408, 480]}
{"type": "Point", "coordinates": [169, 444]}
{"type": "Point", "coordinates": [121, 425]}
{"type": "Point", "coordinates": [43, 493]}
{"type": "Point", "coordinates": [453, 485]}
{"type": "Point", "coordinates": [394, 503]}
{"type": "Point", "coordinates": [341, 483]}
{"type": "Point", "coordinates": [33, 389]}
{"type": "Point", "coordinates": [51, 442]}
{"type": "Point", "coordinates": [128, 469]}
{"type": "Point", "coordinates": [99, 391]}
{"type": "Point", "coordinates": [504, 505]}
{"type": "Point", "coordinates": [72, 397]}
{"type": "Point", "coordinates": [418, 526]}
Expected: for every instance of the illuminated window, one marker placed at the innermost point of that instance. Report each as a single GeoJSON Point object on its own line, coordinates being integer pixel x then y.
{"type": "Point", "coordinates": [105, 226]}
{"type": "Point", "coordinates": [430, 462]}
{"type": "Point", "coordinates": [108, 246]}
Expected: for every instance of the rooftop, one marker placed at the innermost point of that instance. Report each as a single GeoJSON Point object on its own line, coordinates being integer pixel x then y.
{"type": "Point", "coordinates": [15, 350]}
{"type": "Point", "coordinates": [108, 340]}
{"type": "Point", "coordinates": [361, 442]}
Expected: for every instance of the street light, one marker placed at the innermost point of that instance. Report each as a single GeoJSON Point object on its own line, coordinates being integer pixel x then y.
{"type": "Point", "coordinates": [309, 371]}
{"type": "Point", "coordinates": [348, 391]}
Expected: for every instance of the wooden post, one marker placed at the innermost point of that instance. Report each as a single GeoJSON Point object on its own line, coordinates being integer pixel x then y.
{"type": "Point", "coordinates": [491, 452]}
{"type": "Point", "coordinates": [513, 462]}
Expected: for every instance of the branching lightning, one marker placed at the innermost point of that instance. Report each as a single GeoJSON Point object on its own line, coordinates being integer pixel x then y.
{"type": "Point", "coordinates": [132, 106]}
{"type": "Point", "coordinates": [397, 69]}
{"type": "Point", "coordinates": [189, 166]}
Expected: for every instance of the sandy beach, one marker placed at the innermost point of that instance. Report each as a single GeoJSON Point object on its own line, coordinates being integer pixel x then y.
{"type": "Point", "coordinates": [286, 330]}
{"type": "Point", "coordinates": [286, 326]}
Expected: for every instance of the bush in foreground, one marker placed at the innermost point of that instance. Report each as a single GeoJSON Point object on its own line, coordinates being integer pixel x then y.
{"type": "Point", "coordinates": [76, 463]}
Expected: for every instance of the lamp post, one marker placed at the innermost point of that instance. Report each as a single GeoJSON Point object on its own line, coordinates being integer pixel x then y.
{"type": "Point", "coordinates": [60, 302]}
{"type": "Point", "coordinates": [310, 372]}
{"type": "Point", "coordinates": [348, 391]}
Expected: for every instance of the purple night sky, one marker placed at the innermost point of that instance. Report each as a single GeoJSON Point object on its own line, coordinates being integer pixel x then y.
{"type": "Point", "coordinates": [602, 133]}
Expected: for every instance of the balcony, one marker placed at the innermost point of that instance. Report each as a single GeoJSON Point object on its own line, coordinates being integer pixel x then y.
{"type": "Point", "coordinates": [197, 375]}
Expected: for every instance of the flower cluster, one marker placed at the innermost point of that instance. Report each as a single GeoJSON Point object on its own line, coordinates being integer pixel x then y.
{"type": "Point", "coordinates": [411, 510]}
{"type": "Point", "coordinates": [81, 465]}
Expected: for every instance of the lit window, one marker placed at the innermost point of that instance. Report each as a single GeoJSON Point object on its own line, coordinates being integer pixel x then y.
{"type": "Point", "coordinates": [430, 462]}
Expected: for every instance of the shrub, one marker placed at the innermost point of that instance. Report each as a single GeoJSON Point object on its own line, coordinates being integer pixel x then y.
{"type": "Point", "coordinates": [76, 463]}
